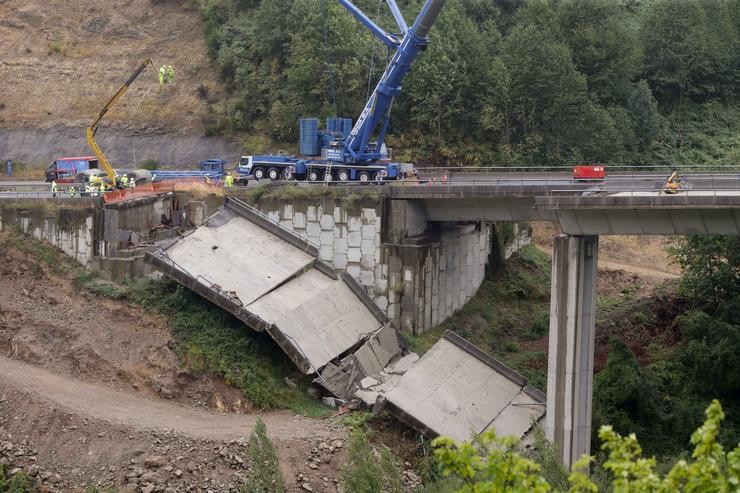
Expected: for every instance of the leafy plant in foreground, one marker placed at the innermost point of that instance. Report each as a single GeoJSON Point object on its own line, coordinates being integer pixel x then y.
{"type": "Point", "coordinates": [493, 464]}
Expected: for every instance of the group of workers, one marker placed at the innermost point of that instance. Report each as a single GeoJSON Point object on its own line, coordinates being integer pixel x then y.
{"type": "Point", "coordinates": [166, 74]}
{"type": "Point", "coordinates": [94, 187]}
{"type": "Point", "coordinates": [228, 180]}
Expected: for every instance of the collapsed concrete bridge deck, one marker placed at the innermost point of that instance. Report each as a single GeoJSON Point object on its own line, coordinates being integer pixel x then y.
{"type": "Point", "coordinates": [269, 277]}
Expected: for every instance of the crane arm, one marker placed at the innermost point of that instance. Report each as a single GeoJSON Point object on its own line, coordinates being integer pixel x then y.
{"type": "Point", "coordinates": [377, 109]}
{"type": "Point", "coordinates": [92, 129]}
{"type": "Point", "coordinates": [390, 40]}
{"type": "Point", "coordinates": [397, 16]}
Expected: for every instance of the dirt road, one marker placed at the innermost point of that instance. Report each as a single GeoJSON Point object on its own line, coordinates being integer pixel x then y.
{"type": "Point", "coordinates": [640, 271]}
{"type": "Point", "coordinates": [123, 408]}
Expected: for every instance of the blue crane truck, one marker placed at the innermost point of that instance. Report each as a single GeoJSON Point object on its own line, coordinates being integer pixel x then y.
{"type": "Point", "coordinates": [338, 153]}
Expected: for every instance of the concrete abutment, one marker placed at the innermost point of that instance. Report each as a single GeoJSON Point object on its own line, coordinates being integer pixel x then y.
{"type": "Point", "coordinates": [418, 272]}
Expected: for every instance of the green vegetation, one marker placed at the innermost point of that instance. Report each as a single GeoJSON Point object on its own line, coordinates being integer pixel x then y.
{"type": "Point", "coordinates": [286, 192]}
{"type": "Point", "coordinates": [502, 83]}
{"type": "Point", "coordinates": [150, 164]}
{"type": "Point", "coordinates": [17, 483]}
{"type": "Point", "coordinates": [211, 341]}
{"type": "Point", "coordinates": [510, 309]}
{"type": "Point", "coordinates": [493, 464]}
{"type": "Point", "coordinates": [688, 344]}
{"type": "Point", "coordinates": [263, 475]}
{"type": "Point", "coordinates": [367, 473]}
{"type": "Point", "coordinates": [693, 355]}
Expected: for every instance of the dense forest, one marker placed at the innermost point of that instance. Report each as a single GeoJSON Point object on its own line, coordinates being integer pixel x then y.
{"type": "Point", "coordinates": [662, 401]}
{"type": "Point", "coordinates": [503, 82]}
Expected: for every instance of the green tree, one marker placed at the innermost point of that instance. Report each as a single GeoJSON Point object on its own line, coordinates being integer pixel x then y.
{"type": "Point", "coordinates": [677, 42]}
{"type": "Point", "coordinates": [603, 41]}
{"type": "Point", "coordinates": [444, 88]}
{"type": "Point", "coordinates": [711, 270]}
{"type": "Point", "coordinates": [643, 110]}
{"type": "Point", "coordinates": [263, 475]}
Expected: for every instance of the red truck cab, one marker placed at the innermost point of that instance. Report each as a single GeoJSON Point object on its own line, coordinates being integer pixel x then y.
{"type": "Point", "coordinates": [589, 172]}
{"type": "Point", "coordinates": [64, 170]}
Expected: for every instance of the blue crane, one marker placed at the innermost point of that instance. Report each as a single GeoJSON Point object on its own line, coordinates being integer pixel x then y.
{"type": "Point", "coordinates": [357, 147]}
{"type": "Point", "coordinates": [355, 156]}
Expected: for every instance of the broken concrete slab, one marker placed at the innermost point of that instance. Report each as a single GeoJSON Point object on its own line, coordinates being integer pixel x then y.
{"type": "Point", "coordinates": [378, 350]}
{"type": "Point", "coordinates": [238, 256]}
{"type": "Point", "coordinates": [456, 390]}
{"type": "Point", "coordinates": [319, 316]}
{"type": "Point", "coordinates": [327, 325]}
{"type": "Point", "coordinates": [263, 277]}
{"type": "Point", "coordinates": [386, 344]}
{"type": "Point", "coordinates": [366, 360]}
{"type": "Point", "coordinates": [401, 365]}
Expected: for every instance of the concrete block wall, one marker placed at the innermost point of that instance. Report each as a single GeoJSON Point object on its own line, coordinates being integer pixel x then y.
{"type": "Point", "coordinates": [419, 284]}
{"type": "Point", "coordinates": [451, 271]}
{"type": "Point", "coordinates": [70, 230]}
{"type": "Point", "coordinates": [120, 221]}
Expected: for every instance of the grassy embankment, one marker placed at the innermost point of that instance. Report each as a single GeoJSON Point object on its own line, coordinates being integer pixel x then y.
{"type": "Point", "coordinates": [207, 339]}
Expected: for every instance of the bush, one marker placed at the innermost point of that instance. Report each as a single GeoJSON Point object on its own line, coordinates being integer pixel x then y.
{"type": "Point", "coordinates": [150, 164]}
{"type": "Point", "coordinates": [540, 326]}
{"type": "Point", "coordinates": [367, 473]}
{"type": "Point", "coordinates": [18, 483]}
{"type": "Point", "coordinates": [263, 475]}
{"type": "Point", "coordinates": [493, 464]}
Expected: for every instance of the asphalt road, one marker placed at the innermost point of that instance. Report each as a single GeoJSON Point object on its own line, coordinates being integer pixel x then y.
{"type": "Point", "coordinates": [553, 181]}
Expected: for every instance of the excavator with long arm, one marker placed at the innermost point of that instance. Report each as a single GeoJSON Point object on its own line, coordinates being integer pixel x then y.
{"type": "Point", "coordinates": [103, 162]}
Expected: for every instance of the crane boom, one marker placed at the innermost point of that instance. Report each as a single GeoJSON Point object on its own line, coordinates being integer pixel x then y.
{"type": "Point", "coordinates": [92, 129]}
{"type": "Point", "coordinates": [376, 113]}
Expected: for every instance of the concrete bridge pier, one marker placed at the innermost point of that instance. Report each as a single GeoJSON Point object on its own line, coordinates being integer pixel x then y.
{"type": "Point", "coordinates": [571, 345]}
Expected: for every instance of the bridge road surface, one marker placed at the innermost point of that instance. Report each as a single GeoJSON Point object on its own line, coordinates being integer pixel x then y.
{"type": "Point", "coordinates": [545, 183]}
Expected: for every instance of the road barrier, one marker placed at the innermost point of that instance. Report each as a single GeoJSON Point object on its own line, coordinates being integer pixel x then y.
{"type": "Point", "coordinates": [145, 190]}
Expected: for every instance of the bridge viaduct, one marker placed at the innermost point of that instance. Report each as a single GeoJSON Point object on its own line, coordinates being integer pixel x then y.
{"type": "Point", "coordinates": [623, 204]}
{"type": "Point", "coordinates": [627, 205]}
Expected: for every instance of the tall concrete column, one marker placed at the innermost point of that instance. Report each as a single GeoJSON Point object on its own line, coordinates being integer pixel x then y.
{"type": "Point", "coordinates": [571, 349]}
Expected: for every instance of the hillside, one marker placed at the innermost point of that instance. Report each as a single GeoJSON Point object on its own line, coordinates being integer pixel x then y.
{"type": "Point", "coordinates": [61, 61]}
{"type": "Point", "coordinates": [502, 82]}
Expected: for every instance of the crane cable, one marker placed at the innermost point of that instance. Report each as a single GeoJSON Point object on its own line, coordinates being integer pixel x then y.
{"type": "Point", "coordinates": [371, 66]}
{"type": "Point", "coordinates": [332, 86]}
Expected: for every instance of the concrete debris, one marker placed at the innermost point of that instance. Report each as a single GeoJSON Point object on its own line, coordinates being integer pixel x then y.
{"type": "Point", "coordinates": [401, 365]}
{"type": "Point", "coordinates": [368, 382]}
{"type": "Point", "coordinates": [333, 402]}
{"type": "Point", "coordinates": [328, 326]}
{"type": "Point", "coordinates": [248, 261]}
{"type": "Point", "coordinates": [320, 317]}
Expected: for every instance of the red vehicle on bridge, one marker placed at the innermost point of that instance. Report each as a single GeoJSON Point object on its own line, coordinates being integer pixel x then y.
{"type": "Point", "coordinates": [589, 172]}
{"type": "Point", "coordinates": [64, 170]}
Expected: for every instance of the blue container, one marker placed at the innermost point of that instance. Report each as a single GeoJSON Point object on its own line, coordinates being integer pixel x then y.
{"type": "Point", "coordinates": [309, 144]}
{"type": "Point", "coordinates": [346, 126]}
{"type": "Point", "coordinates": [331, 124]}
{"type": "Point", "coordinates": [341, 126]}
